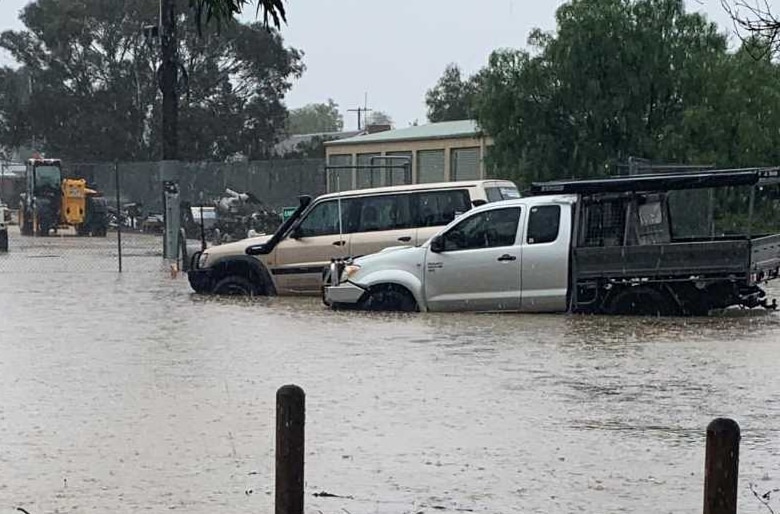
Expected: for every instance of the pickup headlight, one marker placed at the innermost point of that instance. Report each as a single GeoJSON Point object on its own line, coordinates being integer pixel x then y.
{"type": "Point", "coordinates": [203, 260]}
{"type": "Point", "coordinates": [349, 271]}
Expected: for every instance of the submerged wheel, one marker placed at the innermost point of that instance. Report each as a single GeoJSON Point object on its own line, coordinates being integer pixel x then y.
{"type": "Point", "coordinates": [389, 297]}
{"type": "Point", "coordinates": [43, 230]}
{"type": "Point", "coordinates": [236, 285]}
{"type": "Point", "coordinates": [25, 223]}
{"type": "Point", "coordinates": [642, 301]}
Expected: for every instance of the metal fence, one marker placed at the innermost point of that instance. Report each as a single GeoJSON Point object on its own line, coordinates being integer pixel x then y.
{"type": "Point", "coordinates": [134, 196]}
{"type": "Point", "coordinates": [66, 249]}
{"type": "Point", "coordinates": [276, 183]}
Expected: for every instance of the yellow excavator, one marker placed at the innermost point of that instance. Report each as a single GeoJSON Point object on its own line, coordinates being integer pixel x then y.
{"type": "Point", "coordinates": [51, 202]}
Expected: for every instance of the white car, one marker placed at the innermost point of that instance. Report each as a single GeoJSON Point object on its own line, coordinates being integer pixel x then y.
{"type": "Point", "coordinates": [505, 256]}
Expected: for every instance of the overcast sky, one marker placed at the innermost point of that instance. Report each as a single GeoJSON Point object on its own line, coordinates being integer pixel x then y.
{"type": "Point", "coordinates": [395, 50]}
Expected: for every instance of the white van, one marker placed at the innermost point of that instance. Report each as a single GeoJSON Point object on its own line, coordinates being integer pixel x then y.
{"type": "Point", "coordinates": [292, 260]}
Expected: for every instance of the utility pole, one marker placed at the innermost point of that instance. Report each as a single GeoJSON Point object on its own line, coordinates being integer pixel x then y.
{"type": "Point", "coordinates": [168, 80]}
{"type": "Point", "coordinates": [169, 167]}
{"type": "Point", "coordinates": [360, 111]}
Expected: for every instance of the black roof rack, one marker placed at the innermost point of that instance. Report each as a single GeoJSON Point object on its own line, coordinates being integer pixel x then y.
{"type": "Point", "coordinates": [660, 182]}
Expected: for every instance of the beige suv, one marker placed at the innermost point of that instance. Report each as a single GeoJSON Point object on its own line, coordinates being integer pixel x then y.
{"type": "Point", "coordinates": [291, 261]}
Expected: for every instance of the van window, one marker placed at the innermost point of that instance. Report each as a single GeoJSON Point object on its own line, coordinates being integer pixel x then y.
{"type": "Point", "coordinates": [489, 229]}
{"type": "Point", "coordinates": [387, 212]}
{"type": "Point", "coordinates": [496, 194]}
{"type": "Point", "coordinates": [437, 208]}
{"type": "Point", "coordinates": [544, 224]}
{"type": "Point", "coordinates": [323, 219]}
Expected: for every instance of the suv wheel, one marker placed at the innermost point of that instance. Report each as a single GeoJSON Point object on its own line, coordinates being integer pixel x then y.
{"type": "Point", "coordinates": [235, 285]}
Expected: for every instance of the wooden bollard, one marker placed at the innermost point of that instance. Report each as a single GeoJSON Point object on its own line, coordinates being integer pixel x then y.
{"type": "Point", "coordinates": [290, 419]}
{"type": "Point", "coordinates": [721, 467]}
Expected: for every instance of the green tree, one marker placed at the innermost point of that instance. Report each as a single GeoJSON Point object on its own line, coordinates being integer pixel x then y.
{"type": "Point", "coordinates": [379, 118]}
{"type": "Point", "coordinates": [93, 91]}
{"type": "Point", "coordinates": [316, 118]}
{"type": "Point", "coordinates": [617, 78]}
{"type": "Point", "coordinates": [452, 98]}
{"type": "Point", "coordinates": [223, 11]}
{"type": "Point", "coordinates": [14, 98]}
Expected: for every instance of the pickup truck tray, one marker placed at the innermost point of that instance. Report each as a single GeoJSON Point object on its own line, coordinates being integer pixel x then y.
{"type": "Point", "coordinates": [730, 258]}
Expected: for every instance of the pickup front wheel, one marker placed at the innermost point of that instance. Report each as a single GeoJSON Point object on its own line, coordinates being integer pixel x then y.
{"type": "Point", "coordinates": [389, 297]}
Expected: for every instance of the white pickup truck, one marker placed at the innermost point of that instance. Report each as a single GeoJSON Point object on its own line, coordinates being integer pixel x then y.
{"type": "Point", "coordinates": [604, 246]}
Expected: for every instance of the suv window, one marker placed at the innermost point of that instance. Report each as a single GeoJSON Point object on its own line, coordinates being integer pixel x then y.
{"type": "Point", "coordinates": [437, 208]}
{"type": "Point", "coordinates": [489, 229]}
{"type": "Point", "coordinates": [387, 212]}
{"type": "Point", "coordinates": [323, 219]}
{"type": "Point", "coordinates": [544, 224]}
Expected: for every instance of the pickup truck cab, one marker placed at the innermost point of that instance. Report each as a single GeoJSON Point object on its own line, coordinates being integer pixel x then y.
{"type": "Point", "coordinates": [604, 246]}
{"type": "Point", "coordinates": [507, 256]}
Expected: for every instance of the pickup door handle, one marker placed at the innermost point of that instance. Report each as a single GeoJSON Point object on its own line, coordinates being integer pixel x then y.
{"type": "Point", "coordinates": [405, 239]}
{"type": "Point", "coordinates": [507, 257]}
{"type": "Point", "coordinates": [339, 243]}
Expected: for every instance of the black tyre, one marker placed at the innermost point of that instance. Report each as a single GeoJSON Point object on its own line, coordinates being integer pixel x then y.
{"type": "Point", "coordinates": [43, 230]}
{"type": "Point", "coordinates": [25, 223]}
{"type": "Point", "coordinates": [236, 285]}
{"type": "Point", "coordinates": [3, 240]}
{"type": "Point", "coordinates": [642, 301]}
{"type": "Point", "coordinates": [389, 297]}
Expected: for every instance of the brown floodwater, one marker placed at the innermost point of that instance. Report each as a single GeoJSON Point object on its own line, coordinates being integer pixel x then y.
{"type": "Point", "coordinates": [128, 393]}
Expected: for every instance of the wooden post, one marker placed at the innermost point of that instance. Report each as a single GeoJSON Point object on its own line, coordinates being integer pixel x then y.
{"type": "Point", "coordinates": [721, 467]}
{"type": "Point", "coordinates": [290, 419]}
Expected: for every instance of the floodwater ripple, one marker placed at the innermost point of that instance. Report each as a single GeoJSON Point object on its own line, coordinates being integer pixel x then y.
{"type": "Point", "coordinates": [129, 393]}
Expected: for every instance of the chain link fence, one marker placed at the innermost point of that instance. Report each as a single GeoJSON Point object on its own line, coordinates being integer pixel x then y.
{"type": "Point", "coordinates": [132, 196]}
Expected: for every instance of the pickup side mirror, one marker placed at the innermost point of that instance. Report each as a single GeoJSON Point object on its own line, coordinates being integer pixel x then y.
{"type": "Point", "coordinates": [296, 233]}
{"type": "Point", "coordinates": [437, 244]}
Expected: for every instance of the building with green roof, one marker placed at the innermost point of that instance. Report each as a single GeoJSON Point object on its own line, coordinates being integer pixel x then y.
{"type": "Point", "coordinates": [437, 152]}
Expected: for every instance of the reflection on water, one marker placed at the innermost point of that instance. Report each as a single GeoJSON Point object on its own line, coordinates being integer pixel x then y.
{"type": "Point", "coordinates": [129, 393]}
